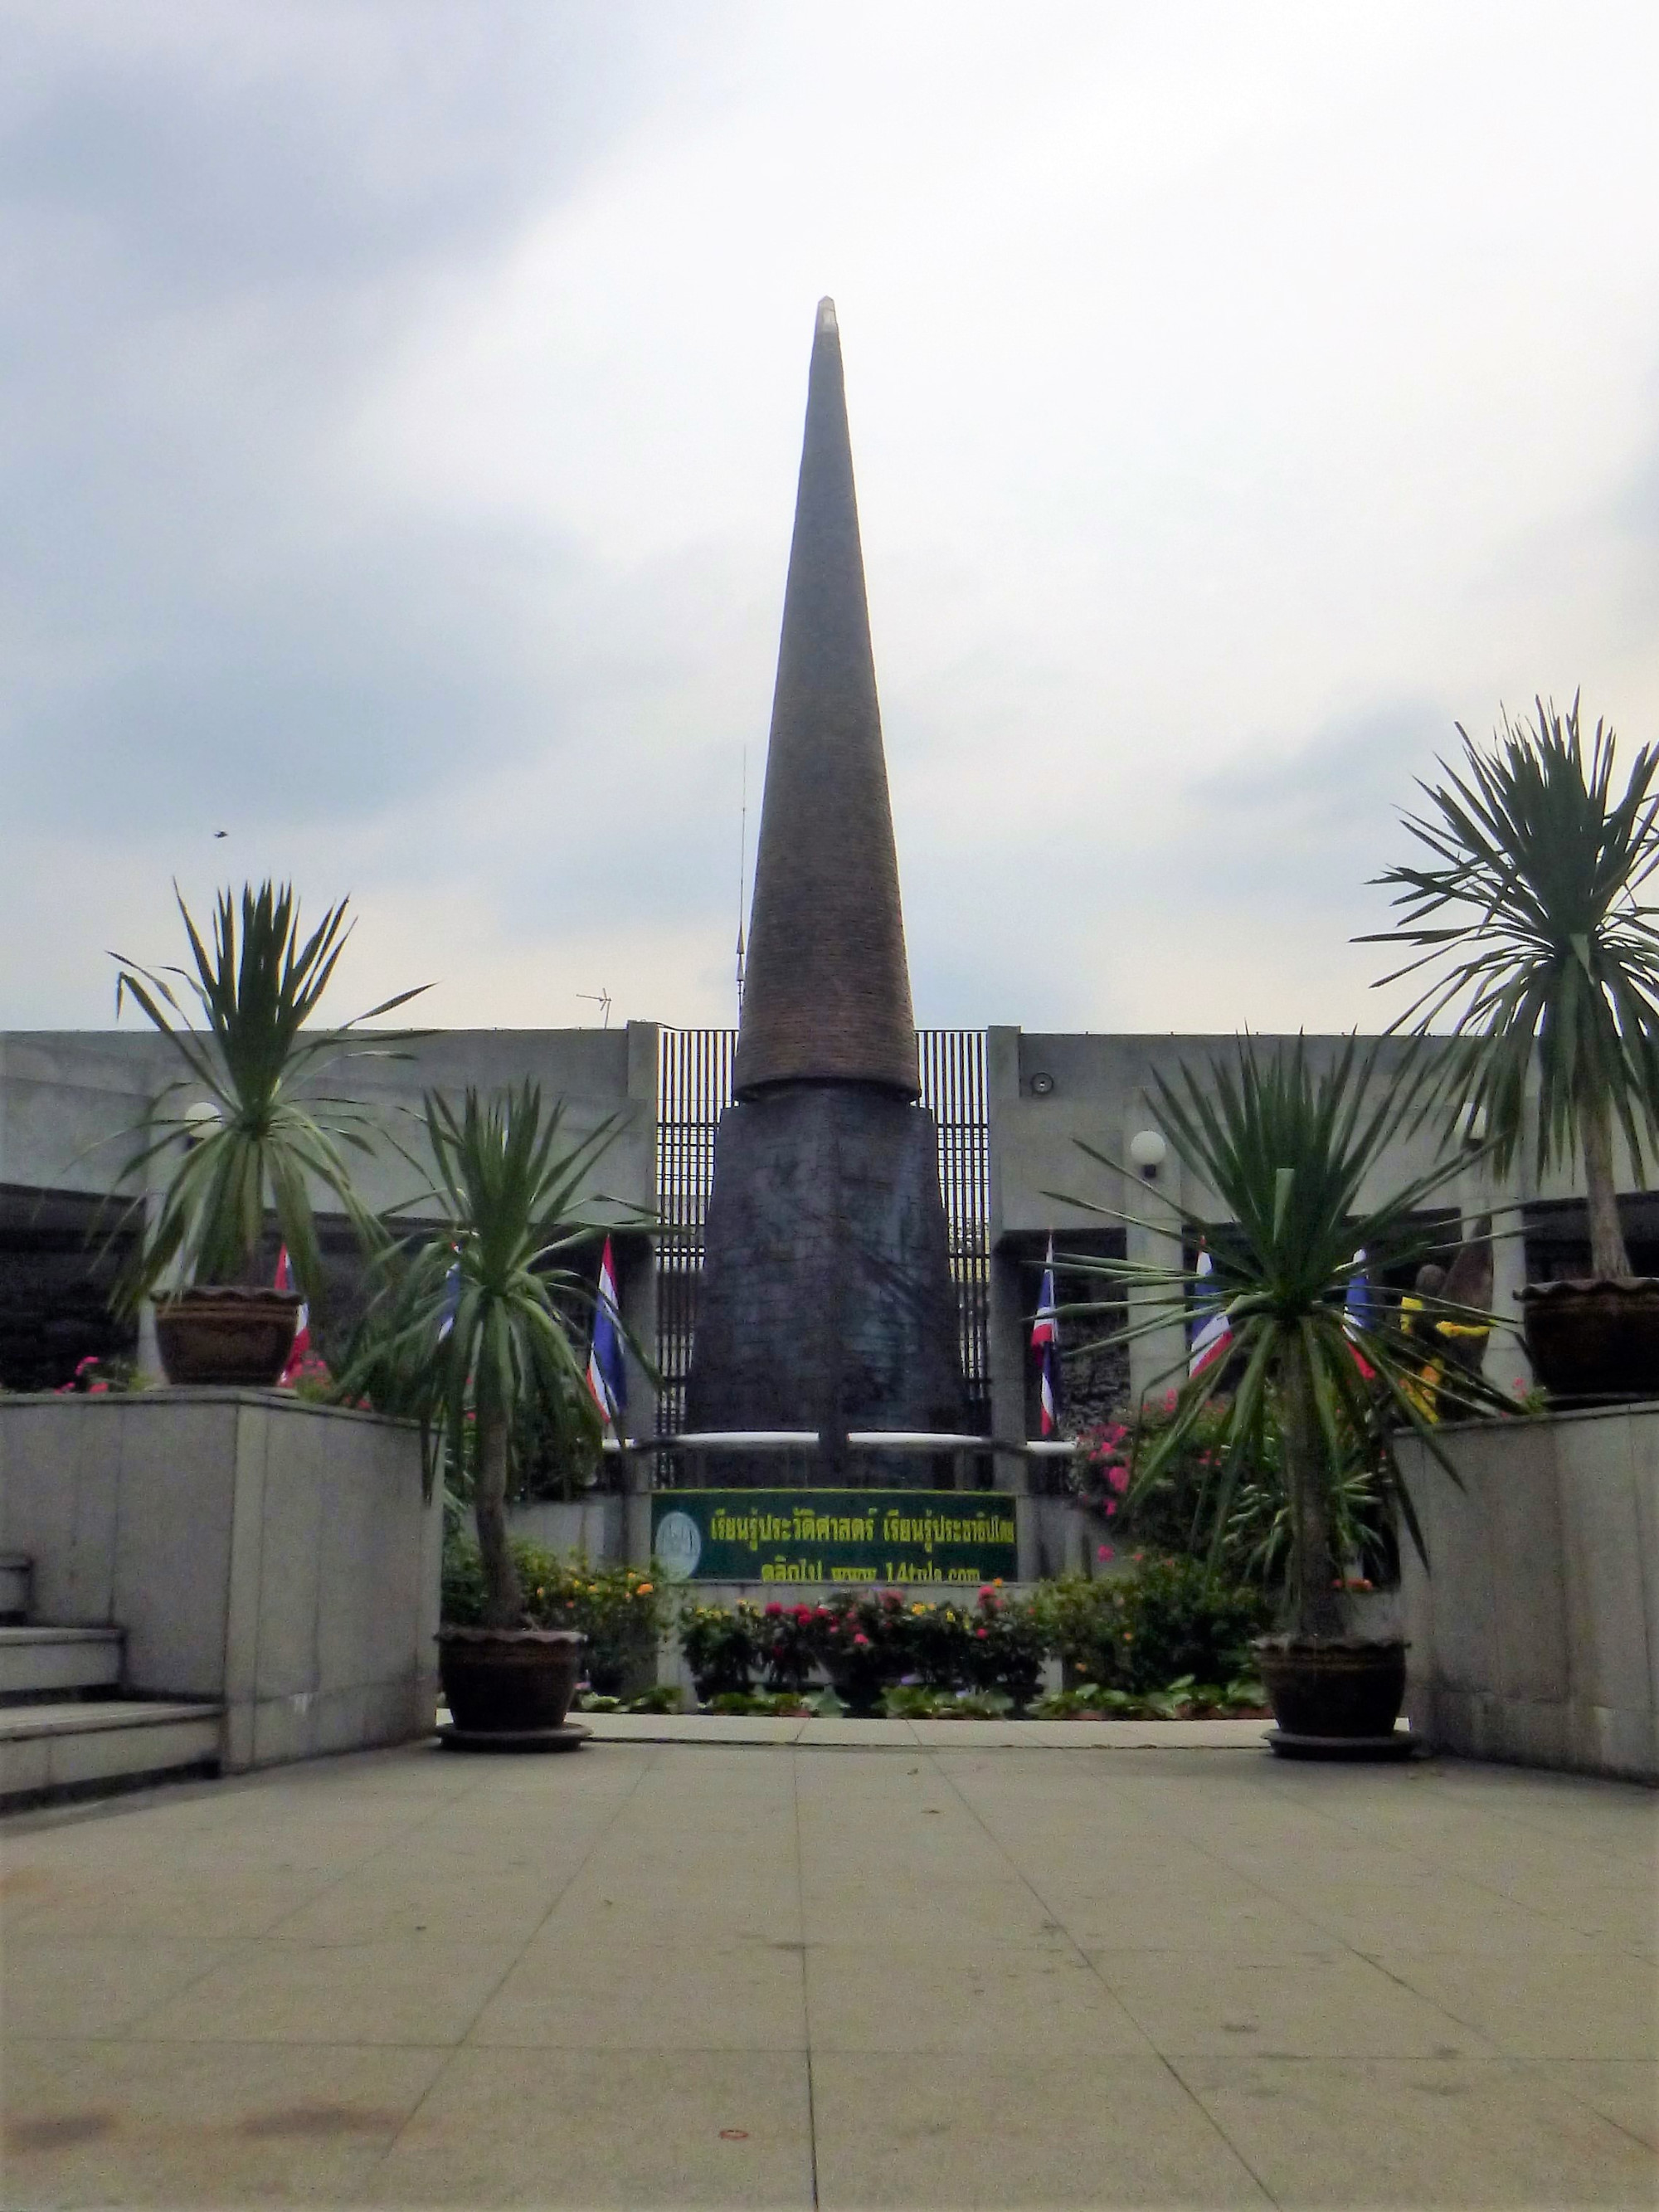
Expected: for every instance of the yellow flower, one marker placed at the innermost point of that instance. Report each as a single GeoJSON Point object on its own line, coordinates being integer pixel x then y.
{"type": "Point", "coordinates": [644, 1590]}
{"type": "Point", "coordinates": [918, 1609]}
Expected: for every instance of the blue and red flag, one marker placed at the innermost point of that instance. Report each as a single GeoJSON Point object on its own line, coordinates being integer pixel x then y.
{"type": "Point", "coordinates": [1045, 1347]}
{"type": "Point", "coordinates": [607, 1371]}
{"type": "Point", "coordinates": [301, 1348]}
{"type": "Point", "coordinates": [1359, 1310]}
{"type": "Point", "coordinates": [1212, 1332]}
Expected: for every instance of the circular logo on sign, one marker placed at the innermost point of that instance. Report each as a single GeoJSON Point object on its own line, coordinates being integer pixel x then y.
{"type": "Point", "coordinates": [678, 1546]}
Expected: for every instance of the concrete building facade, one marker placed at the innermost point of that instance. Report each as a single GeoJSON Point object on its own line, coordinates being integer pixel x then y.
{"type": "Point", "coordinates": [1013, 1107]}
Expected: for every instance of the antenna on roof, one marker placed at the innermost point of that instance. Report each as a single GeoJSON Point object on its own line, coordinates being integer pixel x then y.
{"type": "Point", "coordinates": [601, 1000]}
{"type": "Point", "coordinates": [743, 873]}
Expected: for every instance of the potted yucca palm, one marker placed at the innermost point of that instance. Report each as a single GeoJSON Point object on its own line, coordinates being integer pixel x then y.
{"type": "Point", "coordinates": [470, 1329]}
{"type": "Point", "coordinates": [1306, 1382]}
{"type": "Point", "coordinates": [245, 1128]}
{"type": "Point", "coordinates": [1538, 951]}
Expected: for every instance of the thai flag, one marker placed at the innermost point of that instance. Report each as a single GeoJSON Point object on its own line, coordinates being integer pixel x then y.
{"type": "Point", "coordinates": [1360, 1310]}
{"type": "Point", "coordinates": [1045, 1347]}
{"type": "Point", "coordinates": [607, 1372]}
{"type": "Point", "coordinates": [302, 1350]}
{"type": "Point", "coordinates": [1212, 1332]}
{"type": "Point", "coordinates": [452, 1304]}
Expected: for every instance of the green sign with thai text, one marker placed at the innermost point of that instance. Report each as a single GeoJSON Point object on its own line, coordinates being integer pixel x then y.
{"type": "Point", "coordinates": [834, 1535]}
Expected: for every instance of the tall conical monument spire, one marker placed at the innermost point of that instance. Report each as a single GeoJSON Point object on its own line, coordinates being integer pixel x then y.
{"type": "Point", "coordinates": [826, 994]}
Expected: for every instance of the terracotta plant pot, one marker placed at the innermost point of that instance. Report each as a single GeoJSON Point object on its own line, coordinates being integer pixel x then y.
{"type": "Point", "coordinates": [509, 1680]}
{"type": "Point", "coordinates": [231, 1337]}
{"type": "Point", "coordinates": [1332, 1687]}
{"type": "Point", "coordinates": [1595, 1337]}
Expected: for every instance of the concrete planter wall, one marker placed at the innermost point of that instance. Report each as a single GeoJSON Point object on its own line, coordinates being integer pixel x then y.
{"type": "Point", "coordinates": [272, 1555]}
{"type": "Point", "coordinates": [1536, 1637]}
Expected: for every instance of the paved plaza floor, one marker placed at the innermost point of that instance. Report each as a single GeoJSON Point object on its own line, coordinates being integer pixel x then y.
{"type": "Point", "coordinates": [657, 1974]}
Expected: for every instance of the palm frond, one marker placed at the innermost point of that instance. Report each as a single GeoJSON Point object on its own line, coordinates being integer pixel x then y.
{"type": "Point", "coordinates": [275, 1140]}
{"type": "Point", "coordinates": [1531, 937]}
{"type": "Point", "coordinates": [1288, 1148]}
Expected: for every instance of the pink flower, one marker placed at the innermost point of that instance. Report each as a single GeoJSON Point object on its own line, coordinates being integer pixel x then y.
{"type": "Point", "coordinates": [802, 1613]}
{"type": "Point", "coordinates": [1169, 1400]}
{"type": "Point", "coordinates": [1118, 1477]}
{"type": "Point", "coordinates": [981, 1632]}
{"type": "Point", "coordinates": [985, 1591]}
{"type": "Point", "coordinates": [862, 1639]}
{"type": "Point", "coordinates": [1105, 1551]}
{"type": "Point", "coordinates": [1111, 1507]}
{"type": "Point", "coordinates": [775, 1611]}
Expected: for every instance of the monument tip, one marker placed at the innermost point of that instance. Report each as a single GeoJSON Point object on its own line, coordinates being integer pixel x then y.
{"type": "Point", "coordinates": [827, 322]}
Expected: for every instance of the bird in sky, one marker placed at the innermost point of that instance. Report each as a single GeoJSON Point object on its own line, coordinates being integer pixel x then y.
{"type": "Point", "coordinates": [222, 833]}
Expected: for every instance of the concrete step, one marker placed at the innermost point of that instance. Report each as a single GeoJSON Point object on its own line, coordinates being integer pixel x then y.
{"type": "Point", "coordinates": [37, 1659]}
{"type": "Point", "coordinates": [15, 1579]}
{"type": "Point", "coordinates": [82, 1747]}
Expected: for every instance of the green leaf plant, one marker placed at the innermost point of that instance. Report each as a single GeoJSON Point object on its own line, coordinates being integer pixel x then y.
{"type": "Point", "coordinates": [475, 1320]}
{"type": "Point", "coordinates": [1286, 1146]}
{"type": "Point", "coordinates": [256, 1132]}
{"type": "Point", "coordinates": [1534, 942]}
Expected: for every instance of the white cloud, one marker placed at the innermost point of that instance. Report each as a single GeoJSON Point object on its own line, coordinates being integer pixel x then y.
{"type": "Point", "coordinates": [1238, 397]}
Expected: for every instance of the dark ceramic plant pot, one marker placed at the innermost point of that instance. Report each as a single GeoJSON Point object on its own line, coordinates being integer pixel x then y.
{"type": "Point", "coordinates": [858, 1682]}
{"type": "Point", "coordinates": [230, 1337]}
{"type": "Point", "coordinates": [509, 1680]}
{"type": "Point", "coordinates": [1345, 1685]}
{"type": "Point", "coordinates": [1595, 1337]}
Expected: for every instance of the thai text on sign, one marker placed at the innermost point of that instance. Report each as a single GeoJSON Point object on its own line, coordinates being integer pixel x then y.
{"type": "Point", "coordinates": [834, 1535]}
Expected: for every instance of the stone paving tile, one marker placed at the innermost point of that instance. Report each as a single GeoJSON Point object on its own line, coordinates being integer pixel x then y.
{"type": "Point", "coordinates": [1392, 2132]}
{"type": "Point", "coordinates": [955, 2130]}
{"type": "Point", "coordinates": [646, 1975]}
{"type": "Point", "coordinates": [1623, 2090]}
{"type": "Point", "coordinates": [1544, 2004]}
{"type": "Point", "coordinates": [739, 1995]}
{"type": "Point", "coordinates": [97, 1985]}
{"type": "Point", "coordinates": [1330, 2005]}
{"type": "Point", "coordinates": [904, 1997]}
{"type": "Point", "coordinates": [115, 2123]}
{"type": "Point", "coordinates": [1196, 1916]}
{"type": "Point", "coordinates": [399, 1989]}
{"type": "Point", "coordinates": [601, 2128]}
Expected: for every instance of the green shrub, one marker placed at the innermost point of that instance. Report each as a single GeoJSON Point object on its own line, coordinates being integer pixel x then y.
{"type": "Point", "coordinates": [786, 1641]}
{"type": "Point", "coordinates": [620, 1610]}
{"type": "Point", "coordinates": [719, 1643]}
{"type": "Point", "coordinates": [1166, 1619]}
{"type": "Point", "coordinates": [1006, 1644]}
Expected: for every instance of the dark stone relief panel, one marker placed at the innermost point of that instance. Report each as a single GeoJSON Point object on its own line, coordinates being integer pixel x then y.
{"type": "Point", "coordinates": [826, 1300]}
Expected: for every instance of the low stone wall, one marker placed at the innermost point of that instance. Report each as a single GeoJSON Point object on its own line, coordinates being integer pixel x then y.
{"type": "Point", "coordinates": [1535, 1635]}
{"type": "Point", "coordinates": [260, 1551]}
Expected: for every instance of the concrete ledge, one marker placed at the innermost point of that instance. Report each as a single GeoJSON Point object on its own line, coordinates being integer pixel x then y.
{"type": "Point", "coordinates": [269, 1556]}
{"type": "Point", "coordinates": [933, 1736]}
{"type": "Point", "coordinates": [1535, 1635]}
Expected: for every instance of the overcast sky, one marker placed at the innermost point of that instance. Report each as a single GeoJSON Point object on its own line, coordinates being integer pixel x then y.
{"type": "Point", "coordinates": [402, 406]}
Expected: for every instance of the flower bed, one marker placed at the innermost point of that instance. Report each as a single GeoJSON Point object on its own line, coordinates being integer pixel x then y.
{"type": "Point", "coordinates": [1167, 1640]}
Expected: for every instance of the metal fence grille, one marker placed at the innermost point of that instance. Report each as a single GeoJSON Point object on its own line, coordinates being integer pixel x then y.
{"type": "Point", "coordinates": [694, 1088]}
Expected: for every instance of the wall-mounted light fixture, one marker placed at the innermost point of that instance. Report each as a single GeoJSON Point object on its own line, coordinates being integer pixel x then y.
{"type": "Point", "coordinates": [200, 1121]}
{"type": "Point", "coordinates": [1149, 1151]}
{"type": "Point", "coordinates": [1041, 1085]}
